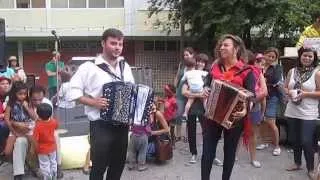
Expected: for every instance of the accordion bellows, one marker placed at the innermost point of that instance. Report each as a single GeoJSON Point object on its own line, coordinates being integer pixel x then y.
{"type": "Point", "coordinates": [128, 103]}
{"type": "Point", "coordinates": [224, 99]}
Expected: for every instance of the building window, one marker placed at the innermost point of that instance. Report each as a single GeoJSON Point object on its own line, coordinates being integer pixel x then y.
{"type": "Point", "coordinates": [97, 3]}
{"type": "Point", "coordinates": [172, 45]}
{"type": "Point", "coordinates": [38, 3]}
{"type": "Point", "coordinates": [59, 3]}
{"type": "Point", "coordinates": [115, 3]}
{"type": "Point", "coordinates": [148, 45]}
{"type": "Point", "coordinates": [160, 46]}
{"type": "Point", "coordinates": [7, 4]}
{"type": "Point", "coordinates": [23, 4]}
{"type": "Point", "coordinates": [77, 3]}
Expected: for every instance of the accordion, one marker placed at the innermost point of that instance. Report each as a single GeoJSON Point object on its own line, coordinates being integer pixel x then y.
{"type": "Point", "coordinates": [128, 103]}
{"type": "Point", "coordinates": [226, 98]}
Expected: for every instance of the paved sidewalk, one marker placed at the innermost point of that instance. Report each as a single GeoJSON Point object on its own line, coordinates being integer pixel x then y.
{"type": "Point", "coordinates": [273, 168]}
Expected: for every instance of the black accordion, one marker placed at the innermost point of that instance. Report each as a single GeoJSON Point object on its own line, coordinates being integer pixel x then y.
{"type": "Point", "coordinates": [128, 103]}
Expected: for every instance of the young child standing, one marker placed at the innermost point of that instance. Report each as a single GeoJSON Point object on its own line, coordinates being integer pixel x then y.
{"type": "Point", "coordinates": [18, 114]}
{"type": "Point", "coordinates": [195, 78]}
{"type": "Point", "coordinates": [45, 142]}
{"type": "Point", "coordinates": [138, 146]}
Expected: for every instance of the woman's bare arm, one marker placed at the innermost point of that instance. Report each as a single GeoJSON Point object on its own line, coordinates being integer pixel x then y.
{"type": "Point", "coordinates": [164, 125]}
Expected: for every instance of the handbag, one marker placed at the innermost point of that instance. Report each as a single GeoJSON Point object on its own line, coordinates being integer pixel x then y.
{"type": "Point", "coordinates": [164, 148]}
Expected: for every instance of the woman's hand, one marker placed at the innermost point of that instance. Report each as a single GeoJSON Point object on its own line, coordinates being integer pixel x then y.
{"type": "Point", "coordinates": [206, 92]}
{"type": "Point", "coordinates": [240, 114]}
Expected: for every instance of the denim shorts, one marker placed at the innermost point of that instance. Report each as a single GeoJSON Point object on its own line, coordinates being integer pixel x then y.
{"type": "Point", "coordinates": [255, 117]}
{"type": "Point", "coordinates": [272, 107]}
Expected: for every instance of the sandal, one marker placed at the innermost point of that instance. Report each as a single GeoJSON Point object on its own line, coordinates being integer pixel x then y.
{"type": "Point", "coordinates": [294, 168]}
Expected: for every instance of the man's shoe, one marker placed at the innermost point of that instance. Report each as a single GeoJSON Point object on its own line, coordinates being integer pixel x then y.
{"type": "Point", "coordinates": [17, 177]}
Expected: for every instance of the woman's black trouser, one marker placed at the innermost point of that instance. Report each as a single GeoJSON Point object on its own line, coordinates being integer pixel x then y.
{"type": "Point", "coordinates": [211, 135]}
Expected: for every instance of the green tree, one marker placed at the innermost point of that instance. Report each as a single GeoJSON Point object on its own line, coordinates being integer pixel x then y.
{"type": "Point", "coordinates": [277, 21]}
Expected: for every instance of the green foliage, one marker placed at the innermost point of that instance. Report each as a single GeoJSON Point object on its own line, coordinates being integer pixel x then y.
{"type": "Point", "coordinates": [276, 20]}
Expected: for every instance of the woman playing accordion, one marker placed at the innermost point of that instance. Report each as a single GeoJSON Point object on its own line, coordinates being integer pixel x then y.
{"type": "Point", "coordinates": [229, 67]}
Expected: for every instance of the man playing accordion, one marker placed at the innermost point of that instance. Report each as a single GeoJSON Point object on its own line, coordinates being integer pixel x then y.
{"type": "Point", "coordinates": [108, 141]}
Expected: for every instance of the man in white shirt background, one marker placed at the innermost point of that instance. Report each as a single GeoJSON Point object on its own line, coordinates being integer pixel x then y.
{"type": "Point", "coordinates": [108, 142]}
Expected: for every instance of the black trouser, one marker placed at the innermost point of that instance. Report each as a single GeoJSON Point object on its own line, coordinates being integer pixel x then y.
{"type": "Point", "coordinates": [192, 132]}
{"type": "Point", "coordinates": [302, 138]}
{"type": "Point", "coordinates": [4, 133]}
{"type": "Point", "coordinates": [211, 135]}
{"type": "Point", "coordinates": [108, 149]}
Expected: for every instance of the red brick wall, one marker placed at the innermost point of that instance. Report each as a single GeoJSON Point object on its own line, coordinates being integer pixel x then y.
{"type": "Point", "coordinates": [34, 62]}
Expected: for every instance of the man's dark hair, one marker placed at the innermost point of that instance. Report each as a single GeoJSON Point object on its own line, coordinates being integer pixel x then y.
{"type": "Point", "coordinates": [37, 89]}
{"type": "Point", "coordinates": [44, 111]}
{"type": "Point", "coordinates": [115, 33]}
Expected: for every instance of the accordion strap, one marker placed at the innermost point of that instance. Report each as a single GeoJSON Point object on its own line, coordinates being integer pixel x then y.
{"type": "Point", "coordinates": [106, 68]}
{"type": "Point", "coordinates": [242, 70]}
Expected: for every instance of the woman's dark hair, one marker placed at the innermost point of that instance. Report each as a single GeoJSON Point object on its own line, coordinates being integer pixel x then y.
{"type": "Point", "coordinates": [237, 43]}
{"type": "Point", "coordinates": [274, 50]}
{"type": "Point", "coordinates": [16, 87]}
{"type": "Point", "coordinates": [44, 111]}
{"type": "Point", "coordinates": [303, 50]}
{"type": "Point", "coordinates": [251, 57]}
{"type": "Point", "coordinates": [203, 57]}
{"type": "Point", "coordinates": [189, 49]}
{"type": "Point", "coordinates": [172, 88]}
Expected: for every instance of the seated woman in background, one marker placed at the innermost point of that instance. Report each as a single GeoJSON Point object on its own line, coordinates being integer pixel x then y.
{"type": "Point", "coordinates": [159, 131]}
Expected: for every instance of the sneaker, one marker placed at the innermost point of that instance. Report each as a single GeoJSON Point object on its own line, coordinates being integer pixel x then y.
{"type": "Point", "coordinates": [142, 167]}
{"type": "Point", "coordinates": [256, 164]}
{"type": "Point", "coordinates": [193, 159]}
{"type": "Point", "coordinates": [290, 150]}
{"type": "Point", "coordinates": [262, 146]}
{"type": "Point", "coordinates": [217, 162]}
{"type": "Point", "coordinates": [311, 175]}
{"type": "Point", "coordinates": [131, 166]}
{"type": "Point", "coordinates": [276, 152]}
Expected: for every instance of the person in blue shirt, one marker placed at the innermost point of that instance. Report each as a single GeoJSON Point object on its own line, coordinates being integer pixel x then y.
{"type": "Point", "coordinates": [9, 73]}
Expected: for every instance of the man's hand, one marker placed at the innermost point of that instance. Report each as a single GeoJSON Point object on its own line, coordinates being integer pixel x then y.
{"type": "Point", "coordinates": [100, 103]}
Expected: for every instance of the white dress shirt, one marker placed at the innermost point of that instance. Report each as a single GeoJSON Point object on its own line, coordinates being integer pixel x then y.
{"type": "Point", "coordinates": [89, 80]}
{"type": "Point", "coordinates": [63, 95]}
